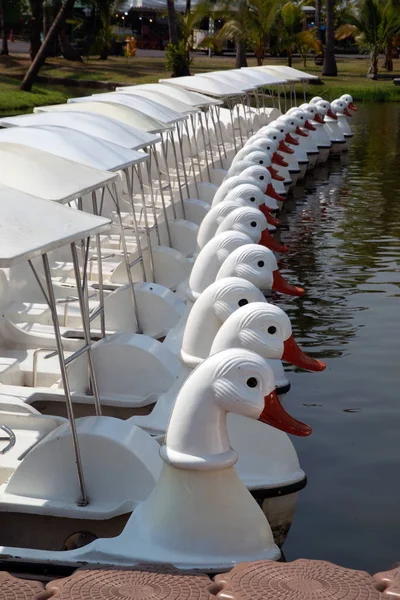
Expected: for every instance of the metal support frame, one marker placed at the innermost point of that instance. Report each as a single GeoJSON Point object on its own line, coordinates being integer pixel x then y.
{"type": "Point", "coordinates": [51, 301]}
{"type": "Point", "coordinates": [186, 126]}
{"type": "Point", "coordinates": [194, 129]}
{"type": "Point", "coordinates": [216, 137]}
{"type": "Point", "coordinates": [218, 119]}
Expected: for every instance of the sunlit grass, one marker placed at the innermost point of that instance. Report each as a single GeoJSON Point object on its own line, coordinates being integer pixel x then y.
{"type": "Point", "coordinates": [351, 78]}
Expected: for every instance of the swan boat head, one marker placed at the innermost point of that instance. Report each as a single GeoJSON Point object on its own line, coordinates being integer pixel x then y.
{"type": "Point", "coordinates": [213, 307]}
{"type": "Point", "coordinates": [237, 381]}
{"type": "Point", "coordinates": [263, 176]}
{"type": "Point", "coordinates": [265, 329]}
{"type": "Point", "coordinates": [254, 224]}
{"type": "Point", "coordinates": [258, 265]}
{"type": "Point", "coordinates": [349, 99]}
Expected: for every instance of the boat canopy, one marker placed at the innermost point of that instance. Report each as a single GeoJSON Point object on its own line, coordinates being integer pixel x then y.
{"type": "Point", "coordinates": [96, 125]}
{"type": "Point", "coordinates": [265, 78]}
{"type": "Point", "coordinates": [277, 71]}
{"type": "Point", "coordinates": [290, 71]}
{"type": "Point", "coordinates": [237, 82]}
{"type": "Point", "coordinates": [118, 111]}
{"type": "Point", "coordinates": [193, 98]}
{"type": "Point", "coordinates": [146, 107]}
{"type": "Point", "coordinates": [30, 227]}
{"type": "Point", "coordinates": [172, 103]}
{"type": "Point", "coordinates": [75, 146]}
{"type": "Point", "coordinates": [48, 176]}
{"type": "Point", "coordinates": [204, 85]}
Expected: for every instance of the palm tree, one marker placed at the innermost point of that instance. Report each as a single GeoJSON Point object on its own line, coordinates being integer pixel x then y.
{"type": "Point", "coordinates": [36, 7]}
{"type": "Point", "coordinates": [235, 15]}
{"type": "Point", "coordinates": [329, 67]}
{"type": "Point", "coordinates": [51, 36]}
{"type": "Point", "coordinates": [3, 27]}
{"type": "Point", "coordinates": [375, 23]}
{"type": "Point", "coordinates": [262, 17]}
{"type": "Point", "coordinates": [291, 35]}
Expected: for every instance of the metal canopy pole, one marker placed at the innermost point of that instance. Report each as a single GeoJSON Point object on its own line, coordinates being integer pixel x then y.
{"type": "Point", "coordinates": [100, 270]}
{"type": "Point", "coordinates": [240, 127]}
{"type": "Point", "coordinates": [153, 202]}
{"type": "Point", "coordinates": [186, 125]}
{"type": "Point", "coordinates": [129, 264]}
{"type": "Point", "coordinates": [172, 142]}
{"type": "Point", "coordinates": [230, 107]}
{"type": "Point", "coordinates": [147, 228]}
{"type": "Point", "coordinates": [164, 206]}
{"type": "Point", "coordinates": [216, 136]}
{"type": "Point", "coordinates": [165, 159]}
{"type": "Point", "coordinates": [86, 329]}
{"type": "Point", "coordinates": [50, 299]}
{"type": "Point", "coordinates": [203, 135]}
{"type": "Point", "coordinates": [218, 118]}
{"type": "Point", "coordinates": [208, 137]}
{"type": "Point", "coordinates": [192, 121]}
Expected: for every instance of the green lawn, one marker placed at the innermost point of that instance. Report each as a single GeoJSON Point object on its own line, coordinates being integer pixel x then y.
{"type": "Point", "coordinates": [351, 78]}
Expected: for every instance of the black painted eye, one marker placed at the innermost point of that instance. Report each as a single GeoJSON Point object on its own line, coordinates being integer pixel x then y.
{"type": "Point", "coordinates": [253, 224]}
{"type": "Point", "coordinates": [252, 382]}
{"type": "Point", "coordinates": [260, 162]}
{"type": "Point", "coordinates": [272, 329]}
{"type": "Point", "coordinates": [274, 137]}
{"type": "Point", "coordinates": [261, 177]}
{"type": "Point", "coordinates": [252, 199]}
{"type": "Point", "coordinates": [243, 302]}
{"type": "Point", "coordinates": [260, 263]}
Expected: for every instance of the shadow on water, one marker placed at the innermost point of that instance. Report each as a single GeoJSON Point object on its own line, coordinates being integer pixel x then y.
{"type": "Point", "coordinates": [344, 235]}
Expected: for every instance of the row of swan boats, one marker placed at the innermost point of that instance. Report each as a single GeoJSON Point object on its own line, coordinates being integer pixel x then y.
{"type": "Point", "coordinates": [141, 377]}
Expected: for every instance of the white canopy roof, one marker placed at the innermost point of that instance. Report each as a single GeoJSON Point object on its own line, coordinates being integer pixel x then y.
{"type": "Point", "coordinates": [204, 85]}
{"type": "Point", "coordinates": [117, 111]}
{"type": "Point", "coordinates": [31, 226]}
{"type": "Point", "coordinates": [168, 102]}
{"type": "Point", "coordinates": [290, 71]}
{"type": "Point", "coordinates": [75, 146]}
{"type": "Point", "coordinates": [192, 98]}
{"type": "Point", "coordinates": [142, 105]}
{"type": "Point", "coordinates": [278, 71]}
{"type": "Point", "coordinates": [99, 126]}
{"type": "Point", "coordinates": [48, 176]}
{"type": "Point", "coordinates": [231, 79]}
{"type": "Point", "coordinates": [265, 79]}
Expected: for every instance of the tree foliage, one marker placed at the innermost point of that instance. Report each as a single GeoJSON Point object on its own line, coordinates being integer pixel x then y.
{"type": "Point", "coordinates": [374, 24]}
{"type": "Point", "coordinates": [292, 36]}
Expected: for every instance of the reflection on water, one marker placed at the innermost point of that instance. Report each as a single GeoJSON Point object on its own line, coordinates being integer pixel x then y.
{"type": "Point", "coordinates": [344, 235]}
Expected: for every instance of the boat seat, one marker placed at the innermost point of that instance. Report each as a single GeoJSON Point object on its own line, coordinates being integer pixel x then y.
{"type": "Point", "coordinates": [16, 368]}
{"type": "Point", "coordinates": [10, 372]}
{"type": "Point", "coordinates": [29, 430]}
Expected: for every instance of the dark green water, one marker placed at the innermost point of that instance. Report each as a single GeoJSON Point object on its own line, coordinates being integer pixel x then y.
{"type": "Point", "coordinates": [344, 235]}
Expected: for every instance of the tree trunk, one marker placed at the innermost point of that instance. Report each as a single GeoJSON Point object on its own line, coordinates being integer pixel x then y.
{"type": "Point", "coordinates": [172, 23]}
{"type": "Point", "coordinates": [188, 7]}
{"type": "Point", "coordinates": [318, 19]}
{"type": "Point", "coordinates": [329, 67]}
{"type": "Point", "coordinates": [289, 59]}
{"type": "Point", "coordinates": [3, 29]}
{"type": "Point", "coordinates": [241, 60]}
{"type": "Point", "coordinates": [68, 52]}
{"type": "Point", "coordinates": [36, 26]}
{"type": "Point", "coordinates": [389, 56]}
{"type": "Point", "coordinates": [58, 22]}
{"type": "Point", "coordinates": [374, 64]}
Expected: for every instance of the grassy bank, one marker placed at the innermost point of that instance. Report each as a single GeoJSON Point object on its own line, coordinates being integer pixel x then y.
{"type": "Point", "coordinates": [351, 78]}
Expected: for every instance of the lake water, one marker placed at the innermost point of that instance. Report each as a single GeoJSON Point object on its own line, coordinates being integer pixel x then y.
{"type": "Point", "coordinates": [344, 236]}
